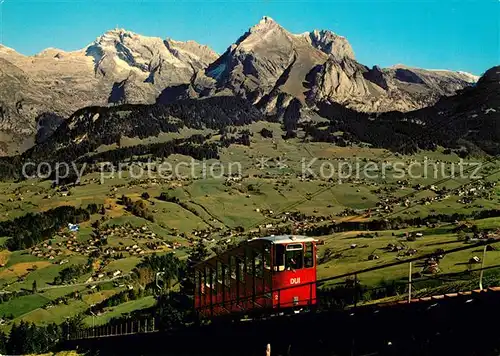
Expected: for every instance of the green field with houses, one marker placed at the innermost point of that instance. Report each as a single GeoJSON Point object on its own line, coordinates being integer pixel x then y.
{"type": "Point", "coordinates": [261, 201]}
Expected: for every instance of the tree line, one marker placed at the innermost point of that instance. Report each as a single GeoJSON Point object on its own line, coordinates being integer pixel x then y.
{"type": "Point", "coordinates": [397, 223]}
{"type": "Point", "coordinates": [30, 229]}
{"type": "Point", "coordinates": [27, 338]}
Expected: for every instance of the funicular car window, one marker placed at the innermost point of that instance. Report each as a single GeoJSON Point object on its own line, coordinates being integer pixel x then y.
{"type": "Point", "coordinates": [309, 255]}
{"type": "Point", "coordinates": [219, 272]}
{"type": "Point", "coordinates": [258, 264]}
{"type": "Point", "coordinates": [201, 282]}
{"type": "Point", "coordinates": [279, 258]}
{"type": "Point", "coordinates": [267, 256]}
{"type": "Point", "coordinates": [208, 271]}
{"type": "Point", "coordinates": [233, 266]}
{"type": "Point", "coordinates": [214, 280]}
{"type": "Point", "coordinates": [241, 266]}
{"type": "Point", "coordinates": [197, 280]}
{"type": "Point", "coordinates": [294, 256]}
{"type": "Point", "coordinates": [248, 261]}
{"type": "Point", "coordinates": [226, 276]}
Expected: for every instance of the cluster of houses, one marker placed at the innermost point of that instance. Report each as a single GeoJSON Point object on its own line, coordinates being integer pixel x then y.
{"type": "Point", "coordinates": [466, 194]}
{"type": "Point", "coordinates": [84, 248]}
{"type": "Point", "coordinates": [46, 251]}
{"type": "Point", "coordinates": [204, 233]}
{"type": "Point", "coordinates": [98, 243]}
{"type": "Point", "coordinates": [127, 232]}
{"type": "Point", "coordinates": [99, 275]}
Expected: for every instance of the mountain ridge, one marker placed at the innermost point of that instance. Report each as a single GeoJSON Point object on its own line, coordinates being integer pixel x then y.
{"type": "Point", "coordinates": [267, 65]}
{"type": "Point", "coordinates": [465, 123]}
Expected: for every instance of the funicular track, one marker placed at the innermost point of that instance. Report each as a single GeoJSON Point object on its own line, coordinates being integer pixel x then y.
{"type": "Point", "coordinates": [406, 326]}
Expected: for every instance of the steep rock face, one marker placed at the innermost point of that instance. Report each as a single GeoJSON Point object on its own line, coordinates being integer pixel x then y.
{"type": "Point", "coordinates": [22, 99]}
{"type": "Point", "coordinates": [267, 65]}
{"type": "Point", "coordinates": [252, 66]}
{"type": "Point", "coordinates": [466, 122]}
{"type": "Point", "coordinates": [398, 88]}
{"type": "Point", "coordinates": [118, 67]}
{"type": "Point", "coordinates": [196, 55]}
{"type": "Point", "coordinates": [121, 53]}
{"type": "Point", "coordinates": [330, 43]}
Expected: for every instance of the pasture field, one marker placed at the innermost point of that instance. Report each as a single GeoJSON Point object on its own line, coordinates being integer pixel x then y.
{"type": "Point", "coordinates": [121, 309]}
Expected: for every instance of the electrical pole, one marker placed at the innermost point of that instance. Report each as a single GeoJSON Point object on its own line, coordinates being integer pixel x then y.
{"type": "Point", "coordinates": [93, 320]}
{"type": "Point", "coordinates": [157, 275]}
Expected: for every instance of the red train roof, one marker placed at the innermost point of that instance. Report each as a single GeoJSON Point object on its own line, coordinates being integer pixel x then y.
{"type": "Point", "coordinates": [285, 239]}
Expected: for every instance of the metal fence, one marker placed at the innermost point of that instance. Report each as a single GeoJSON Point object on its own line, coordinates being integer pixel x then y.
{"type": "Point", "coordinates": [128, 327]}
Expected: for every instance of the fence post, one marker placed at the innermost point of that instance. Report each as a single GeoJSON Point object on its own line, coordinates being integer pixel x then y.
{"type": "Point", "coordinates": [355, 290]}
{"type": "Point", "coordinates": [482, 269]}
{"type": "Point", "coordinates": [409, 284]}
{"type": "Point", "coordinates": [268, 350]}
{"type": "Point", "coordinates": [153, 328]}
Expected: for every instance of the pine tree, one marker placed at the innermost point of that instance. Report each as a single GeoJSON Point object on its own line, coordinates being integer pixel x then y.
{"type": "Point", "coordinates": [3, 342]}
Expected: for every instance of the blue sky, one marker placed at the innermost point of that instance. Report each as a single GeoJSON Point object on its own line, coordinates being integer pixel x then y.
{"type": "Point", "coordinates": [434, 34]}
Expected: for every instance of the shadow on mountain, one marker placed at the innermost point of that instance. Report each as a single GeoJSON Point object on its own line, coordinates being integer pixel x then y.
{"type": "Point", "coordinates": [47, 124]}
{"type": "Point", "coordinates": [117, 95]}
{"type": "Point", "coordinates": [408, 76]}
{"type": "Point", "coordinates": [173, 93]}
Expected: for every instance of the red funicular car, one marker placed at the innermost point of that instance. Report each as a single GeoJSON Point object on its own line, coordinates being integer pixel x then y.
{"type": "Point", "coordinates": [274, 272]}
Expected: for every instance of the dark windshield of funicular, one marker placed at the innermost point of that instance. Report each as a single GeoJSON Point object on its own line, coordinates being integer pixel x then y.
{"type": "Point", "coordinates": [293, 256]}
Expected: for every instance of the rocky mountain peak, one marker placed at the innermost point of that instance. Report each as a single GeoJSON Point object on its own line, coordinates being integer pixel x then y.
{"type": "Point", "coordinates": [265, 22]}
{"type": "Point", "coordinates": [145, 53]}
{"type": "Point", "coordinates": [266, 32]}
{"type": "Point", "coordinates": [330, 43]}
